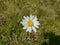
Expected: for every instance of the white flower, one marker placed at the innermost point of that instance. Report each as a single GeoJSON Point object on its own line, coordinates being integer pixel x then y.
{"type": "Point", "coordinates": [30, 23]}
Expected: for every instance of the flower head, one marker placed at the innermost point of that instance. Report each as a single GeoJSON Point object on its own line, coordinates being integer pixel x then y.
{"type": "Point", "coordinates": [30, 23]}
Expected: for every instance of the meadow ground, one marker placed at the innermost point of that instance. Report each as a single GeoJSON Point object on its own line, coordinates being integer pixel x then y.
{"type": "Point", "coordinates": [12, 12]}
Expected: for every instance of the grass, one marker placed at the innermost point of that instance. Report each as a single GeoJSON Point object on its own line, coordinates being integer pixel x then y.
{"type": "Point", "coordinates": [12, 12]}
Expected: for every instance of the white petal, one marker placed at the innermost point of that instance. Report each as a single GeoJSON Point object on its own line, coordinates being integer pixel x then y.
{"type": "Point", "coordinates": [25, 18]}
{"type": "Point", "coordinates": [34, 29]}
{"type": "Point", "coordinates": [36, 23]}
{"type": "Point", "coordinates": [29, 29]}
{"type": "Point", "coordinates": [25, 27]}
{"type": "Point", "coordinates": [35, 18]}
{"type": "Point", "coordinates": [23, 23]}
{"type": "Point", "coordinates": [31, 17]}
{"type": "Point", "coordinates": [36, 26]}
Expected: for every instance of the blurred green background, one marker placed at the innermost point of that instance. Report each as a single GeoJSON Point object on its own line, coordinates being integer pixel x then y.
{"type": "Point", "coordinates": [12, 12]}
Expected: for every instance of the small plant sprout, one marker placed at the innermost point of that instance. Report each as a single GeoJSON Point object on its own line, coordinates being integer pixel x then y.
{"type": "Point", "coordinates": [30, 23]}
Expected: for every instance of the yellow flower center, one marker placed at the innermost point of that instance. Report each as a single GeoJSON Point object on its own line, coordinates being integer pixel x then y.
{"type": "Point", "coordinates": [30, 23]}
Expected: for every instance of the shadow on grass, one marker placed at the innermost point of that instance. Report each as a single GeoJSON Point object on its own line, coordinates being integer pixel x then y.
{"type": "Point", "coordinates": [53, 39]}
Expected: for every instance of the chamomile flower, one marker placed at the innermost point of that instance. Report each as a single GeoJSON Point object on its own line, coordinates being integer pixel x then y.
{"type": "Point", "coordinates": [30, 23]}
